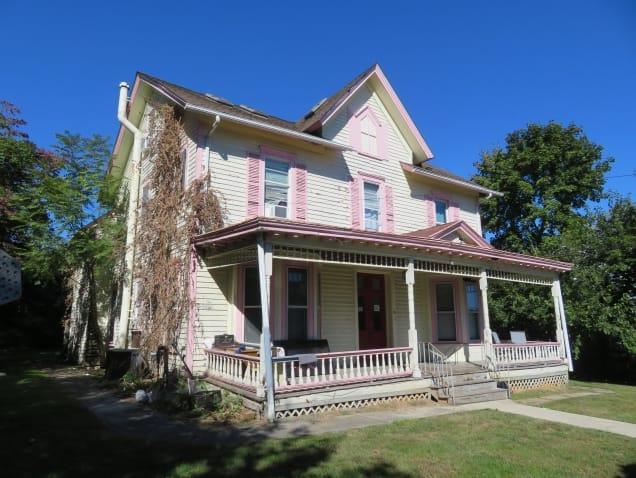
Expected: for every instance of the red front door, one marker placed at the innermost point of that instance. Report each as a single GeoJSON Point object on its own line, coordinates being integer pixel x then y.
{"type": "Point", "coordinates": [371, 311]}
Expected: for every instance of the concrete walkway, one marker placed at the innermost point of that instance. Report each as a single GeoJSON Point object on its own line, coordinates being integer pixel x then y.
{"type": "Point", "coordinates": [573, 419]}
{"type": "Point", "coordinates": [129, 418]}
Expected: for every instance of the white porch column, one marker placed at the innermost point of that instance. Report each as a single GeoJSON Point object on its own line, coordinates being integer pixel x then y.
{"type": "Point", "coordinates": [564, 326]}
{"type": "Point", "coordinates": [557, 315]}
{"type": "Point", "coordinates": [265, 277]}
{"type": "Point", "coordinates": [410, 282]}
{"type": "Point", "coordinates": [483, 287]}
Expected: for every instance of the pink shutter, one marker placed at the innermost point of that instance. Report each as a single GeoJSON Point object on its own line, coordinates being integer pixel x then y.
{"type": "Point", "coordinates": [453, 212]}
{"type": "Point", "coordinates": [356, 212]}
{"type": "Point", "coordinates": [354, 132]}
{"type": "Point", "coordinates": [301, 192]}
{"type": "Point", "coordinates": [254, 187]}
{"type": "Point", "coordinates": [383, 149]}
{"type": "Point", "coordinates": [389, 222]}
{"type": "Point", "coordinates": [429, 210]}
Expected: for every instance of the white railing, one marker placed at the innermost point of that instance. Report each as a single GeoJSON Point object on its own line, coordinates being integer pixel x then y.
{"type": "Point", "coordinates": [437, 364]}
{"type": "Point", "coordinates": [302, 372]}
{"type": "Point", "coordinates": [531, 352]}
{"type": "Point", "coordinates": [241, 370]}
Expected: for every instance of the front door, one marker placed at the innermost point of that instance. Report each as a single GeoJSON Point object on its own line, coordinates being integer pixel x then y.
{"type": "Point", "coordinates": [371, 312]}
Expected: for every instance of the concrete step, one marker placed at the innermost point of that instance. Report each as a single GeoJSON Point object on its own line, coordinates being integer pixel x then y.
{"type": "Point", "coordinates": [498, 394]}
{"type": "Point", "coordinates": [469, 378]}
{"type": "Point", "coordinates": [475, 388]}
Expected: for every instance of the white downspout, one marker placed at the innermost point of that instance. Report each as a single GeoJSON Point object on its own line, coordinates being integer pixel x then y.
{"type": "Point", "coordinates": [133, 185]}
{"type": "Point", "coordinates": [217, 120]}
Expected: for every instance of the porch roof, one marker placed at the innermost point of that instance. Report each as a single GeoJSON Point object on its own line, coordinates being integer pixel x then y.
{"type": "Point", "coordinates": [233, 234]}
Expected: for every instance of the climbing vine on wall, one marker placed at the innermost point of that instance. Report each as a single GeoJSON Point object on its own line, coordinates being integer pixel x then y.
{"type": "Point", "coordinates": [171, 213]}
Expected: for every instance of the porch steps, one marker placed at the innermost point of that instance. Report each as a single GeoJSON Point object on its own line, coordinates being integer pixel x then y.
{"type": "Point", "coordinates": [472, 387]}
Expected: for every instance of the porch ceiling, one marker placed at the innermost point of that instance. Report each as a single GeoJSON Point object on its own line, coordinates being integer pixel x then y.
{"type": "Point", "coordinates": [243, 233]}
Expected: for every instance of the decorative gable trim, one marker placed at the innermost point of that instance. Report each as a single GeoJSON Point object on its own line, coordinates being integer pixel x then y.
{"type": "Point", "coordinates": [404, 116]}
{"type": "Point", "coordinates": [460, 227]}
{"type": "Point", "coordinates": [355, 132]}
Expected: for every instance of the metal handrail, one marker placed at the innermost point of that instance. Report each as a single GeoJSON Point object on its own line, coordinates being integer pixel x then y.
{"type": "Point", "coordinates": [436, 363]}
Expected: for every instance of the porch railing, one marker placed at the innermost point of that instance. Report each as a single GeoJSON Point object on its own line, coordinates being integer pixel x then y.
{"type": "Point", "coordinates": [241, 370]}
{"type": "Point", "coordinates": [436, 363]}
{"type": "Point", "coordinates": [301, 372]}
{"type": "Point", "coordinates": [531, 352]}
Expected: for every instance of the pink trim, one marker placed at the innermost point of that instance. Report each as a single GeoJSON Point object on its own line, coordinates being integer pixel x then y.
{"type": "Point", "coordinates": [458, 315]}
{"type": "Point", "coordinates": [386, 216]}
{"type": "Point", "coordinates": [464, 228]}
{"type": "Point", "coordinates": [377, 71]}
{"type": "Point", "coordinates": [290, 158]}
{"type": "Point", "coordinates": [255, 185]}
{"type": "Point", "coordinates": [355, 192]}
{"type": "Point", "coordinates": [284, 226]}
{"type": "Point", "coordinates": [355, 133]}
{"type": "Point", "coordinates": [389, 215]}
{"type": "Point", "coordinates": [300, 208]}
{"type": "Point", "coordinates": [192, 307]}
{"type": "Point", "coordinates": [310, 297]}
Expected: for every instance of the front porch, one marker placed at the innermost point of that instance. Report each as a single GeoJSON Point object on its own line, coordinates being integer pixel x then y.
{"type": "Point", "coordinates": [402, 317]}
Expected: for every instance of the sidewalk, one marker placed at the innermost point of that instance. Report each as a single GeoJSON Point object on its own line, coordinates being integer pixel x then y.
{"type": "Point", "coordinates": [141, 421]}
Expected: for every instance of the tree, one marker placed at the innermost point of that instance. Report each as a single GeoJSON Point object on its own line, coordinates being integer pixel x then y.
{"type": "Point", "coordinates": [548, 173]}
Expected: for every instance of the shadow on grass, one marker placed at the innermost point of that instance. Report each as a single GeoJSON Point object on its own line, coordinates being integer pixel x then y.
{"type": "Point", "coordinates": [47, 432]}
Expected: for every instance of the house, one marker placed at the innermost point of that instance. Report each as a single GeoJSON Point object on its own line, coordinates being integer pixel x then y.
{"type": "Point", "coordinates": [352, 269]}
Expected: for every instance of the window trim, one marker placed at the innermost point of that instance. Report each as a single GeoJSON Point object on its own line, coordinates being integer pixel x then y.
{"type": "Point", "coordinates": [364, 177]}
{"type": "Point", "coordinates": [355, 132]}
{"type": "Point", "coordinates": [265, 152]}
{"type": "Point", "coordinates": [288, 185]}
{"type": "Point", "coordinates": [364, 206]}
{"type": "Point", "coordinates": [311, 332]}
{"type": "Point", "coordinates": [446, 210]}
{"type": "Point", "coordinates": [458, 311]}
{"type": "Point", "coordinates": [480, 318]}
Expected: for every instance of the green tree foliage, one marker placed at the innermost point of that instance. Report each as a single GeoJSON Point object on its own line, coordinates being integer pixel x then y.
{"type": "Point", "coordinates": [549, 175]}
{"type": "Point", "coordinates": [47, 200]}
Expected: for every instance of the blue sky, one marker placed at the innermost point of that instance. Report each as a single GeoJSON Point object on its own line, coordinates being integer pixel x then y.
{"type": "Point", "coordinates": [468, 72]}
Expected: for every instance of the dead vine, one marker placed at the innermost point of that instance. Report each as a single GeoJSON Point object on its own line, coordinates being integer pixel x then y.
{"type": "Point", "coordinates": [168, 220]}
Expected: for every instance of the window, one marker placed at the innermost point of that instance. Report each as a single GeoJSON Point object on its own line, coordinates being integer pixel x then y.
{"type": "Point", "coordinates": [445, 305]}
{"type": "Point", "coordinates": [472, 304]}
{"type": "Point", "coordinates": [440, 211]}
{"type": "Point", "coordinates": [297, 304]}
{"type": "Point", "coordinates": [252, 306]}
{"type": "Point", "coordinates": [371, 207]}
{"type": "Point", "coordinates": [368, 136]}
{"type": "Point", "coordinates": [276, 188]}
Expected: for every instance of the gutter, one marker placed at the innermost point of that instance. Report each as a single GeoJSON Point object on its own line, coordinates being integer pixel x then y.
{"type": "Point", "coordinates": [418, 170]}
{"type": "Point", "coordinates": [268, 127]}
{"type": "Point", "coordinates": [131, 230]}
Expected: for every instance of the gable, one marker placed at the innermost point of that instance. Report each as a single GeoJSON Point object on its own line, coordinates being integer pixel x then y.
{"type": "Point", "coordinates": [456, 231]}
{"type": "Point", "coordinates": [381, 90]}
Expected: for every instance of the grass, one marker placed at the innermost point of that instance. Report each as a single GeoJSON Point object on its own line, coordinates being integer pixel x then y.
{"type": "Point", "coordinates": [45, 432]}
{"type": "Point", "coordinates": [619, 404]}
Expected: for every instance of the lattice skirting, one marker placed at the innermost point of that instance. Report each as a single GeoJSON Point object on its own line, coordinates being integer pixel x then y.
{"type": "Point", "coordinates": [351, 405]}
{"type": "Point", "coordinates": [533, 383]}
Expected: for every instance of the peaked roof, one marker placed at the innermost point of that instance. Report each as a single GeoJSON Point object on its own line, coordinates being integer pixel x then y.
{"type": "Point", "coordinates": [442, 231]}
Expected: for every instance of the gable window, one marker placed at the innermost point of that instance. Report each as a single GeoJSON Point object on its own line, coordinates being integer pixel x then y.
{"type": "Point", "coordinates": [252, 306]}
{"type": "Point", "coordinates": [472, 305]}
{"type": "Point", "coordinates": [297, 303]}
{"type": "Point", "coordinates": [445, 312]}
{"type": "Point", "coordinates": [371, 206]}
{"type": "Point", "coordinates": [368, 136]}
{"type": "Point", "coordinates": [441, 212]}
{"type": "Point", "coordinates": [276, 188]}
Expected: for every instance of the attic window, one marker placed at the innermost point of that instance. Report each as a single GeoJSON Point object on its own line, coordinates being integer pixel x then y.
{"type": "Point", "coordinates": [368, 136]}
{"type": "Point", "coordinates": [440, 212]}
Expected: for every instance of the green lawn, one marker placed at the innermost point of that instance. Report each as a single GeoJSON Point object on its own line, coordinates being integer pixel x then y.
{"type": "Point", "coordinates": [620, 404]}
{"type": "Point", "coordinates": [47, 433]}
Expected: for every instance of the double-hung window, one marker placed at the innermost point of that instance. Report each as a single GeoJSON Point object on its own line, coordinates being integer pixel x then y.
{"type": "Point", "coordinates": [441, 211]}
{"type": "Point", "coordinates": [252, 306]}
{"type": "Point", "coordinates": [276, 188]}
{"type": "Point", "coordinates": [371, 206]}
{"type": "Point", "coordinates": [472, 304]}
{"type": "Point", "coordinates": [297, 303]}
{"type": "Point", "coordinates": [368, 136]}
{"type": "Point", "coordinates": [445, 311]}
